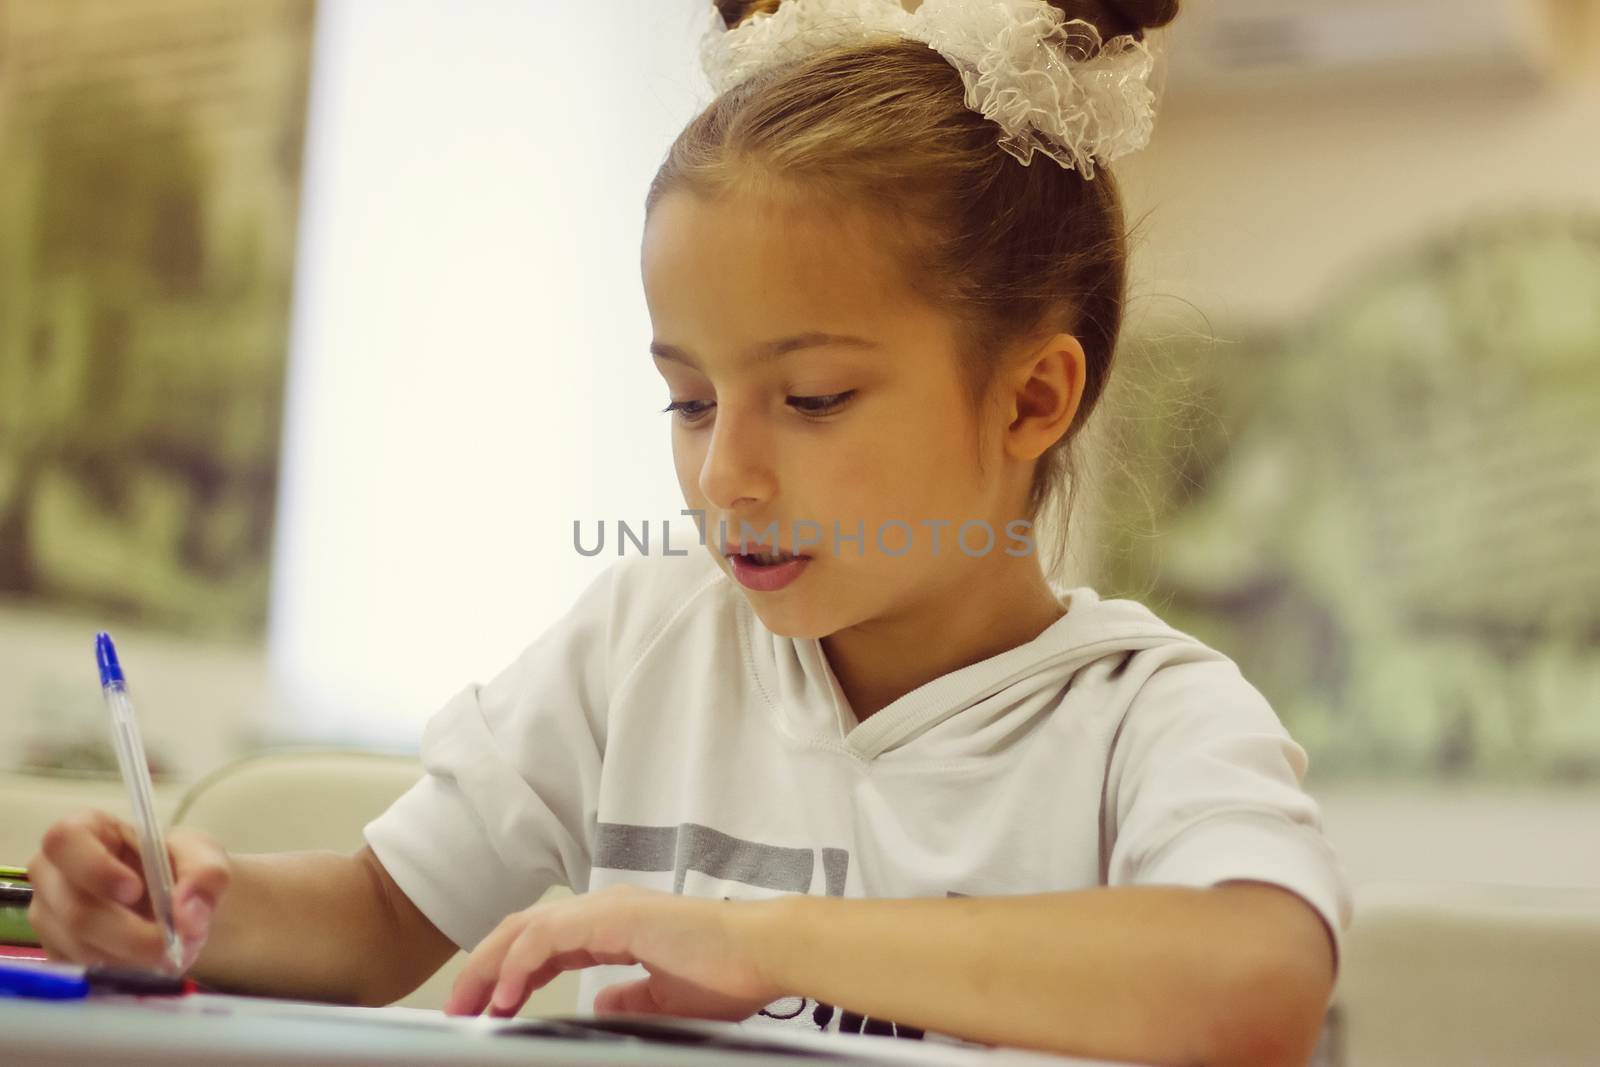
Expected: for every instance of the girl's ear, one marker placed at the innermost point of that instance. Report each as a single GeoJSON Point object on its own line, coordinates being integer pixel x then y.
{"type": "Point", "coordinates": [1044, 393]}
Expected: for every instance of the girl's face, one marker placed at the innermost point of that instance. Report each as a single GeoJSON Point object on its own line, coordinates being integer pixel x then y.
{"type": "Point", "coordinates": [814, 391]}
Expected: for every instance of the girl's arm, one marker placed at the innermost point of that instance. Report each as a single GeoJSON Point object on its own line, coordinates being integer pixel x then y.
{"type": "Point", "coordinates": [319, 926]}
{"type": "Point", "coordinates": [1239, 973]}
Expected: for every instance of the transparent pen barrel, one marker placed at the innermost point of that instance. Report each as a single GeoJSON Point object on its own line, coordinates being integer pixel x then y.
{"type": "Point", "coordinates": [157, 868]}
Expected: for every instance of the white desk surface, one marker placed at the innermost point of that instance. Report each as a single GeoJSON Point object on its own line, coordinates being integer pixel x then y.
{"type": "Point", "coordinates": [246, 1032]}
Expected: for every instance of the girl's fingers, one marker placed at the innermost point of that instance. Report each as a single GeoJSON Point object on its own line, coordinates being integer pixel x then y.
{"type": "Point", "coordinates": [54, 936]}
{"type": "Point", "coordinates": [627, 997]}
{"type": "Point", "coordinates": [146, 950]}
{"type": "Point", "coordinates": [558, 939]}
{"type": "Point", "coordinates": [527, 950]}
{"type": "Point", "coordinates": [92, 931]}
{"type": "Point", "coordinates": [529, 954]}
{"type": "Point", "coordinates": [470, 994]}
{"type": "Point", "coordinates": [199, 864]}
{"type": "Point", "coordinates": [87, 848]}
{"type": "Point", "coordinates": [202, 874]}
{"type": "Point", "coordinates": [521, 989]}
{"type": "Point", "coordinates": [119, 934]}
{"type": "Point", "coordinates": [90, 893]}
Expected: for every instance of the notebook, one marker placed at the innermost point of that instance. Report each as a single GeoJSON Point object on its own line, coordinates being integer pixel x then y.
{"type": "Point", "coordinates": [15, 895]}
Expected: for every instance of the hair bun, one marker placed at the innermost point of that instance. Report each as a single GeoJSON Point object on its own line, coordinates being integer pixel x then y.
{"type": "Point", "coordinates": [1110, 17]}
{"type": "Point", "coordinates": [1148, 14]}
{"type": "Point", "coordinates": [734, 12]}
{"type": "Point", "coordinates": [1116, 17]}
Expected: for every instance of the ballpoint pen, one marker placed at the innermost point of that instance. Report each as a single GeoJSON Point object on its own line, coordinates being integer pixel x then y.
{"type": "Point", "coordinates": [136, 774]}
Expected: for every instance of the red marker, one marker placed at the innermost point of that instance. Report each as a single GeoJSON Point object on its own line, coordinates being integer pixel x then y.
{"type": "Point", "coordinates": [106, 979]}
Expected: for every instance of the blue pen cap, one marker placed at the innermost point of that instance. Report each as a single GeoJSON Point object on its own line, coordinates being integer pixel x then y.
{"type": "Point", "coordinates": [41, 981]}
{"type": "Point", "coordinates": [105, 653]}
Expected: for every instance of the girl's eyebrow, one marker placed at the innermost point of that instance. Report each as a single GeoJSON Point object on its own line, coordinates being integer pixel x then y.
{"type": "Point", "coordinates": [769, 350]}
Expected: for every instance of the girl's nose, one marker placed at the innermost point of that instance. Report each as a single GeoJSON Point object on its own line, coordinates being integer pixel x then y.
{"type": "Point", "coordinates": [735, 469]}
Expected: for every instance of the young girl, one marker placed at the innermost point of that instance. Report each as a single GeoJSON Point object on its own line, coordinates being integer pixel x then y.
{"type": "Point", "coordinates": [852, 762]}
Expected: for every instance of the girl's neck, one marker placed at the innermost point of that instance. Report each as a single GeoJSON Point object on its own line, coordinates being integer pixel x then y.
{"type": "Point", "coordinates": [988, 612]}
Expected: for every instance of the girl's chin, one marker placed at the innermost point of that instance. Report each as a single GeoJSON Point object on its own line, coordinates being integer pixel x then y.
{"type": "Point", "coordinates": [793, 621]}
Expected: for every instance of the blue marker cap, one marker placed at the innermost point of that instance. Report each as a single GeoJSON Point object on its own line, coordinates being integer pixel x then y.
{"type": "Point", "coordinates": [105, 653]}
{"type": "Point", "coordinates": [19, 979]}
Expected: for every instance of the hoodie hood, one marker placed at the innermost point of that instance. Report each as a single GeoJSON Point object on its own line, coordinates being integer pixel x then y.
{"type": "Point", "coordinates": [967, 712]}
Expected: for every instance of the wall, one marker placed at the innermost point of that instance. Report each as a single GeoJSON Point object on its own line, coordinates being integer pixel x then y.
{"type": "Point", "coordinates": [470, 371]}
{"type": "Point", "coordinates": [1256, 205]}
{"type": "Point", "coordinates": [1252, 209]}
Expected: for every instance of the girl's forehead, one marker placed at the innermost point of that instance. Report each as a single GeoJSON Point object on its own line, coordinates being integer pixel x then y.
{"type": "Point", "coordinates": [764, 256]}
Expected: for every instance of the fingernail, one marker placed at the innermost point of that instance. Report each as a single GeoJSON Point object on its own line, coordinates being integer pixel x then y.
{"type": "Point", "coordinates": [129, 891]}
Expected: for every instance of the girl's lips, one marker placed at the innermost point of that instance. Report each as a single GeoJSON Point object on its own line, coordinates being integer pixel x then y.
{"type": "Point", "coordinates": [755, 548]}
{"type": "Point", "coordinates": [767, 578]}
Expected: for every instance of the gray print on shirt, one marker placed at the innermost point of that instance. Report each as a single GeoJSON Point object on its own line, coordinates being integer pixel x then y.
{"type": "Point", "coordinates": [692, 847]}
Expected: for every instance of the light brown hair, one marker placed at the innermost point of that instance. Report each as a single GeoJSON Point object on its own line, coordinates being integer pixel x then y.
{"type": "Point", "coordinates": [1010, 252]}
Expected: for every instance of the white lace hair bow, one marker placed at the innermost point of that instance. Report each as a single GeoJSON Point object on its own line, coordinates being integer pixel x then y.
{"type": "Point", "coordinates": [1045, 79]}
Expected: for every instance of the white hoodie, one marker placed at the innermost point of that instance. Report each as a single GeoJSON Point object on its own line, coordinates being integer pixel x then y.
{"type": "Point", "coordinates": [660, 735]}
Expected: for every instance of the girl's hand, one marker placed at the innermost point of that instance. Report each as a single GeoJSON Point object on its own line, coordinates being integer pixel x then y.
{"type": "Point", "coordinates": [89, 900]}
{"type": "Point", "coordinates": [703, 955]}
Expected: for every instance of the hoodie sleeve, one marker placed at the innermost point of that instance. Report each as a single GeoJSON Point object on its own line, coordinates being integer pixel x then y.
{"type": "Point", "coordinates": [511, 777]}
{"type": "Point", "coordinates": [1204, 784]}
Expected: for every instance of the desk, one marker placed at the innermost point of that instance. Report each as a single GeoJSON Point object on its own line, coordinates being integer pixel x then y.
{"type": "Point", "coordinates": [246, 1032]}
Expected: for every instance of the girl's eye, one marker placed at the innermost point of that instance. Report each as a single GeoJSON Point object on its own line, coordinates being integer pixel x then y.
{"type": "Point", "coordinates": [821, 405]}
{"type": "Point", "coordinates": [695, 410]}
{"type": "Point", "coordinates": [688, 410]}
